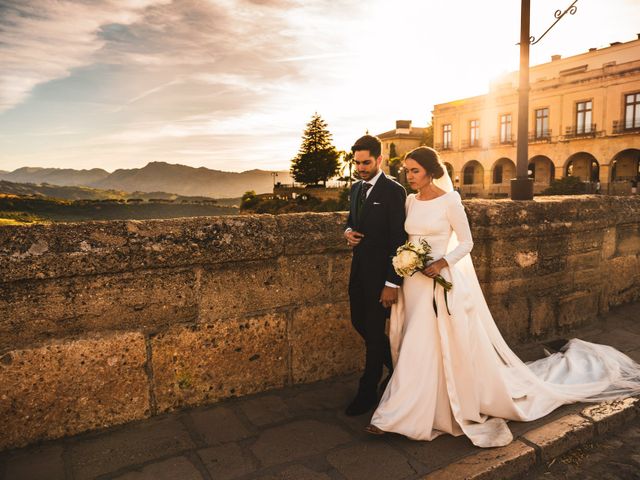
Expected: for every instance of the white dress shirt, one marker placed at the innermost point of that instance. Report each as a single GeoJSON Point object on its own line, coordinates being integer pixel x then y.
{"type": "Point", "coordinates": [372, 182]}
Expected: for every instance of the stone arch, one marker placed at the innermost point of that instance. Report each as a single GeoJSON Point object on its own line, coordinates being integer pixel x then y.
{"type": "Point", "coordinates": [542, 169]}
{"type": "Point", "coordinates": [503, 170]}
{"type": "Point", "coordinates": [472, 173]}
{"type": "Point", "coordinates": [584, 166]}
{"type": "Point", "coordinates": [625, 165]}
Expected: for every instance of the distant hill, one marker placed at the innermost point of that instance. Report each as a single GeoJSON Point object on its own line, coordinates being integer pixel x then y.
{"type": "Point", "coordinates": [55, 176]}
{"type": "Point", "coordinates": [156, 177]}
{"type": "Point", "coordinates": [60, 192]}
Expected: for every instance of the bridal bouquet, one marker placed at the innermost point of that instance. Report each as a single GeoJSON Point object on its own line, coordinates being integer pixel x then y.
{"type": "Point", "coordinates": [413, 257]}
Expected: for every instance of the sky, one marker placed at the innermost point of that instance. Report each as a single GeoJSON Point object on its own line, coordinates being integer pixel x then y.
{"type": "Point", "coordinates": [231, 84]}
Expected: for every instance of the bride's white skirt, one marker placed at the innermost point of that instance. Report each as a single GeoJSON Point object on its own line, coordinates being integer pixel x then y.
{"type": "Point", "coordinates": [455, 374]}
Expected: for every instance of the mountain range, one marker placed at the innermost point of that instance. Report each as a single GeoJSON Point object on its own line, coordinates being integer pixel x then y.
{"type": "Point", "coordinates": [155, 177]}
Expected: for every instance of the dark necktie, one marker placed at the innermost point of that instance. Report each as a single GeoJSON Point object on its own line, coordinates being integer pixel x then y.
{"type": "Point", "coordinates": [362, 198]}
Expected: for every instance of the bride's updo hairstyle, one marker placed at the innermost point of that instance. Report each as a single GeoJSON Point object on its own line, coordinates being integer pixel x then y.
{"type": "Point", "coordinates": [428, 159]}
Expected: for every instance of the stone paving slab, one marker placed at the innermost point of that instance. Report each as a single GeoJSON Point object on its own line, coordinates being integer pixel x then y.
{"type": "Point", "coordinates": [301, 433]}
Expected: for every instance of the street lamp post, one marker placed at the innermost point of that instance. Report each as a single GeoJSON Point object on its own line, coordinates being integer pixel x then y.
{"type": "Point", "coordinates": [522, 185]}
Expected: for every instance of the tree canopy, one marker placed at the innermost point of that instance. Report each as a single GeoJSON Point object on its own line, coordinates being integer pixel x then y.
{"type": "Point", "coordinates": [317, 159]}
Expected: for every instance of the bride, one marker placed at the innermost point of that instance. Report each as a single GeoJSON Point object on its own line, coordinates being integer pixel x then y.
{"type": "Point", "coordinates": [454, 373]}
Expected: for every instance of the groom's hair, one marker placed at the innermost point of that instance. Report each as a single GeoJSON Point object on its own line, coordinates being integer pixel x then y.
{"type": "Point", "coordinates": [368, 142]}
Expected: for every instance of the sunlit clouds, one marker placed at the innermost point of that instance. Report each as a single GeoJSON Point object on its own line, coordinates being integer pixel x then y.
{"type": "Point", "coordinates": [230, 84]}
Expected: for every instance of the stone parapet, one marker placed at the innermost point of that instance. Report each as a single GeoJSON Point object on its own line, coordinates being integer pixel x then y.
{"type": "Point", "coordinates": [106, 322]}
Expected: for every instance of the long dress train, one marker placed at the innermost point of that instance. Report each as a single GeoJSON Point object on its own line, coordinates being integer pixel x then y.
{"type": "Point", "coordinates": [454, 373]}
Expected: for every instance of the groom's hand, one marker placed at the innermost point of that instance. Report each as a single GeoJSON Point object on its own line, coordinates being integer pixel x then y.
{"type": "Point", "coordinates": [353, 237]}
{"type": "Point", "coordinates": [389, 296]}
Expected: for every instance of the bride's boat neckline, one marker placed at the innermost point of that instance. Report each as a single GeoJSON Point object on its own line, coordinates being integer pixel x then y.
{"type": "Point", "coordinates": [415, 195]}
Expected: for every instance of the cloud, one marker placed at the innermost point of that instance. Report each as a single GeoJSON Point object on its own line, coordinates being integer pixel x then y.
{"type": "Point", "coordinates": [42, 40]}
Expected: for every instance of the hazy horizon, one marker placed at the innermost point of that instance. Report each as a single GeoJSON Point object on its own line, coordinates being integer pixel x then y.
{"type": "Point", "coordinates": [126, 168]}
{"type": "Point", "coordinates": [230, 84]}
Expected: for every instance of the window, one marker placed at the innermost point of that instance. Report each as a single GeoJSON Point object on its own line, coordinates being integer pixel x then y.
{"type": "Point", "coordinates": [632, 110]}
{"type": "Point", "coordinates": [542, 123]}
{"type": "Point", "coordinates": [474, 133]}
{"type": "Point", "coordinates": [505, 128]}
{"type": "Point", "coordinates": [446, 136]}
{"type": "Point", "coordinates": [497, 174]}
{"type": "Point", "coordinates": [469, 173]}
{"type": "Point", "coordinates": [584, 117]}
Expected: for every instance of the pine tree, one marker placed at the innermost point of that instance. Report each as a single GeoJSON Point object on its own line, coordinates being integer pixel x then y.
{"type": "Point", "coordinates": [317, 159]}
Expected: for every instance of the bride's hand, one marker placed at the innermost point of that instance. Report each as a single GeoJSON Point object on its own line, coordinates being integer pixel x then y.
{"type": "Point", "coordinates": [433, 269]}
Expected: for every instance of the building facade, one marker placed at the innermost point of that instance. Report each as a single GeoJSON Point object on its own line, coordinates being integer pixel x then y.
{"type": "Point", "coordinates": [395, 143]}
{"type": "Point", "coordinates": [584, 121]}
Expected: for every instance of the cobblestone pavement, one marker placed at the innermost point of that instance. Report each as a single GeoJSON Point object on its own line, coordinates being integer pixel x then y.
{"type": "Point", "coordinates": [614, 458]}
{"type": "Point", "coordinates": [296, 433]}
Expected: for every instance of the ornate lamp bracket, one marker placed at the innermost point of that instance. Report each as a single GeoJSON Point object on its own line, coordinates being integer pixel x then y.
{"type": "Point", "coordinates": [571, 10]}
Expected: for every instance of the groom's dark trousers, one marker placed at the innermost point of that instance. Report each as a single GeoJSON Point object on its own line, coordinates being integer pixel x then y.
{"type": "Point", "coordinates": [381, 221]}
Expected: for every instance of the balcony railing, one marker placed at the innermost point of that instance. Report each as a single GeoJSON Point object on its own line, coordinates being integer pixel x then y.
{"type": "Point", "coordinates": [540, 137]}
{"type": "Point", "coordinates": [443, 146]}
{"type": "Point", "coordinates": [587, 131]}
{"type": "Point", "coordinates": [507, 141]}
{"type": "Point", "coordinates": [625, 126]}
{"type": "Point", "coordinates": [477, 143]}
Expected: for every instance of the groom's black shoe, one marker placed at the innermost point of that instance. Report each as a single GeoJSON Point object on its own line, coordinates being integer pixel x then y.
{"type": "Point", "coordinates": [362, 404]}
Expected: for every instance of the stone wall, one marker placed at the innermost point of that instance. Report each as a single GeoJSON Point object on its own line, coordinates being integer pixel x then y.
{"type": "Point", "coordinates": [107, 322]}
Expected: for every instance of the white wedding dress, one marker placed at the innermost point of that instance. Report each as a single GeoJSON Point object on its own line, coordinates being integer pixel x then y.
{"type": "Point", "coordinates": [454, 373]}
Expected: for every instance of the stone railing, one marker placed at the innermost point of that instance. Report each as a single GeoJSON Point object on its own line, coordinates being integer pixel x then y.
{"type": "Point", "coordinates": [102, 323]}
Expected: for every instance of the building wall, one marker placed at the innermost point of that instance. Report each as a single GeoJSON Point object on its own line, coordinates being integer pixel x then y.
{"type": "Point", "coordinates": [103, 323]}
{"type": "Point", "coordinates": [610, 74]}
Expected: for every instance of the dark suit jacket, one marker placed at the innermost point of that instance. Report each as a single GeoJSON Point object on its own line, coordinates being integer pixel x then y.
{"type": "Point", "coordinates": [382, 223]}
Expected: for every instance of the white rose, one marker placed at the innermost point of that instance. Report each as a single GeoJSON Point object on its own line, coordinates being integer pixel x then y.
{"type": "Point", "coordinates": [406, 262]}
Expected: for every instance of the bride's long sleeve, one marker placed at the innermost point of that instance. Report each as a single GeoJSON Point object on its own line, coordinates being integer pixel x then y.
{"type": "Point", "coordinates": [460, 224]}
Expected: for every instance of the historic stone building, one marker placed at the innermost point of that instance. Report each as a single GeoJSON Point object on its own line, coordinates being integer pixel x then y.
{"type": "Point", "coordinates": [584, 121]}
{"type": "Point", "coordinates": [403, 139]}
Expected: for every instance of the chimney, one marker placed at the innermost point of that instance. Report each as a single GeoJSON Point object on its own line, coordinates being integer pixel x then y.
{"type": "Point", "coordinates": [403, 126]}
{"type": "Point", "coordinates": [555, 57]}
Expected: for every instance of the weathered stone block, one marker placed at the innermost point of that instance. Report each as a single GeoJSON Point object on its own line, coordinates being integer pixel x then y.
{"type": "Point", "coordinates": [205, 363]}
{"type": "Point", "coordinates": [58, 250]}
{"type": "Point", "coordinates": [324, 343]}
{"type": "Point", "coordinates": [309, 233]}
{"type": "Point", "coordinates": [577, 308]}
{"type": "Point", "coordinates": [34, 311]}
{"type": "Point", "coordinates": [543, 317]}
{"type": "Point", "coordinates": [628, 239]}
{"type": "Point", "coordinates": [584, 261]}
{"type": "Point", "coordinates": [609, 241]}
{"type": "Point", "coordinates": [623, 279]}
{"type": "Point", "coordinates": [608, 416]}
{"type": "Point", "coordinates": [69, 387]}
{"type": "Point", "coordinates": [560, 436]}
{"type": "Point", "coordinates": [491, 464]}
{"type": "Point", "coordinates": [258, 286]}
{"type": "Point", "coordinates": [511, 314]}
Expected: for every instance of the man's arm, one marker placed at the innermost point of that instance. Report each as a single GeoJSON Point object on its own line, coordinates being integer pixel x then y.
{"type": "Point", "coordinates": [397, 235]}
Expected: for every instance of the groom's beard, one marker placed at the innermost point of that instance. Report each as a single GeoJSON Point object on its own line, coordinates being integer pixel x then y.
{"type": "Point", "coordinates": [365, 176]}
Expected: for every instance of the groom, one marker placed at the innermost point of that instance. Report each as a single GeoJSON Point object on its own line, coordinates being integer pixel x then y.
{"type": "Point", "coordinates": [375, 229]}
